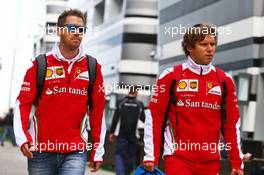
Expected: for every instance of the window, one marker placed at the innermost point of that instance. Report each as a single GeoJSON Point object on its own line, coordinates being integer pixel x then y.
{"type": "Point", "coordinates": [98, 17]}
{"type": "Point", "coordinates": [243, 88]}
{"type": "Point", "coordinates": [49, 46]}
{"type": "Point", "coordinates": [51, 28]}
{"type": "Point", "coordinates": [116, 7]}
{"type": "Point", "coordinates": [110, 109]}
{"type": "Point", "coordinates": [55, 9]}
{"type": "Point", "coordinates": [35, 49]}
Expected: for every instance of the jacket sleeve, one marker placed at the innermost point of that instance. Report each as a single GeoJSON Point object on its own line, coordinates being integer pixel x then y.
{"type": "Point", "coordinates": [115, 119]}
{"type": "Point", "coordinates": [142, 115]}
{"type": "Point", "coordinates": [154, 117]}
{"type": "Point", "coordinates": [97, 119]}
{"type": "Point", "coordinates": [23, 106]}
{"type": "Point", "coordinates": [232, 127]}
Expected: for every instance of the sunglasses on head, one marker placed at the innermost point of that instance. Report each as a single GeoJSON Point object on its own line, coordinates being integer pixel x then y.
{"type": "Point", "coordinates": [72, 28]}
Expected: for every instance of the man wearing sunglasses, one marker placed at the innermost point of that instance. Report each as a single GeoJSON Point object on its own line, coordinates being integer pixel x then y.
{"type": "Point", "coordinates": [74, 29]}
{"type": "Point", "coordinates": [55, 138]}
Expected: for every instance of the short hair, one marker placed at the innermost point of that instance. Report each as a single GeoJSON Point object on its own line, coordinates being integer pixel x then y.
{"type": "Point", "coordinates": [133, 89]}
{"type": "Point", "coordinates": [71, 12]}
{"type": "Point", "coordinates": [197, 33]}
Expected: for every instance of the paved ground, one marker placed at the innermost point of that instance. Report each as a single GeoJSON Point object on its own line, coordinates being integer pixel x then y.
{"type": "Point", "coordinates": [13, 163]}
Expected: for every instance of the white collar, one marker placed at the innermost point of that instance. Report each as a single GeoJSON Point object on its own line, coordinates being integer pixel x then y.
{"type": "Point", "coordinates": [57, 54]}
{"type": "Point", "coordinates": [197, 68]}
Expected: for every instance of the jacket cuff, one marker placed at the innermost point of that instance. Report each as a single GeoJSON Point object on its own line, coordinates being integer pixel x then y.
{"type": "Point", "coordinates": [148, 161]}
{"type": "Point", "coordinates": [23, 145]}
{"type": "Point", "coordinates": [238, 165]}
{"type": "Point", "coordinates": [96, 161]}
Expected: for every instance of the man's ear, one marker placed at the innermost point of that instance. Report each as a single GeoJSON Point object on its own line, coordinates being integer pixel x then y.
{"type": "Point", "coordinates": [59, 31]}
{"type": "Point", "coordinates": [189, 48]}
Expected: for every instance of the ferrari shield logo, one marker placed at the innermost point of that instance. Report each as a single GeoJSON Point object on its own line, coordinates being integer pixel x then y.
{"type": "Point", "coordinates": [209, 85]}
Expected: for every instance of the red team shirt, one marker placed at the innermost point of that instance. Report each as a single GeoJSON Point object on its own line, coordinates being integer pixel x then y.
{"type": "Point", "coordinates": [194, 127]}
{"type": "Point", "coordinates": [60, 123]}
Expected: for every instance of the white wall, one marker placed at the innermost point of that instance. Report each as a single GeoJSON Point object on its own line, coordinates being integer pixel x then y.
{"type": "Point", "coordinates": [24, 25]}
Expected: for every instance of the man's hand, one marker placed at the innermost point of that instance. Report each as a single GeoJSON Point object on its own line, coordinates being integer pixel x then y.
{"type": "Point", "coordinates": [25, 150]}
{"type": "Point", "coordinates": [94, 166]}
{"type": "Point", "coordinates": [149, 166]}
{"type": "Point", "coordinates": [112, 138]}
{"type": "Point", "coordinates": [237, 172]}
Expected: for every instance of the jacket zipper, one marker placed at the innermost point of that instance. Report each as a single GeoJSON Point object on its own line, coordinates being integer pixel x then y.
{"type": "Point", "coordinates": [201, 71]}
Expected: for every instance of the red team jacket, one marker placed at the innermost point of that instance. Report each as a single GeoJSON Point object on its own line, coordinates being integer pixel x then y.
{"type": "Point", "coordinates": [194, 126]}
{"type": "Point", "coordinates": [59, 123]}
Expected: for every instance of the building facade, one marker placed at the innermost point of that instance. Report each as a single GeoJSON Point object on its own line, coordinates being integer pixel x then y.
{"type": "Point", "coordinates": [122, 35]}
{"type": "Point", "coordinates": [54, 9]}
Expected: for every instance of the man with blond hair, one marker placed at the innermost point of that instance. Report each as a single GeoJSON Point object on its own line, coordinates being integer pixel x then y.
{"type": "Point", "coordinates": [55, 139]}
